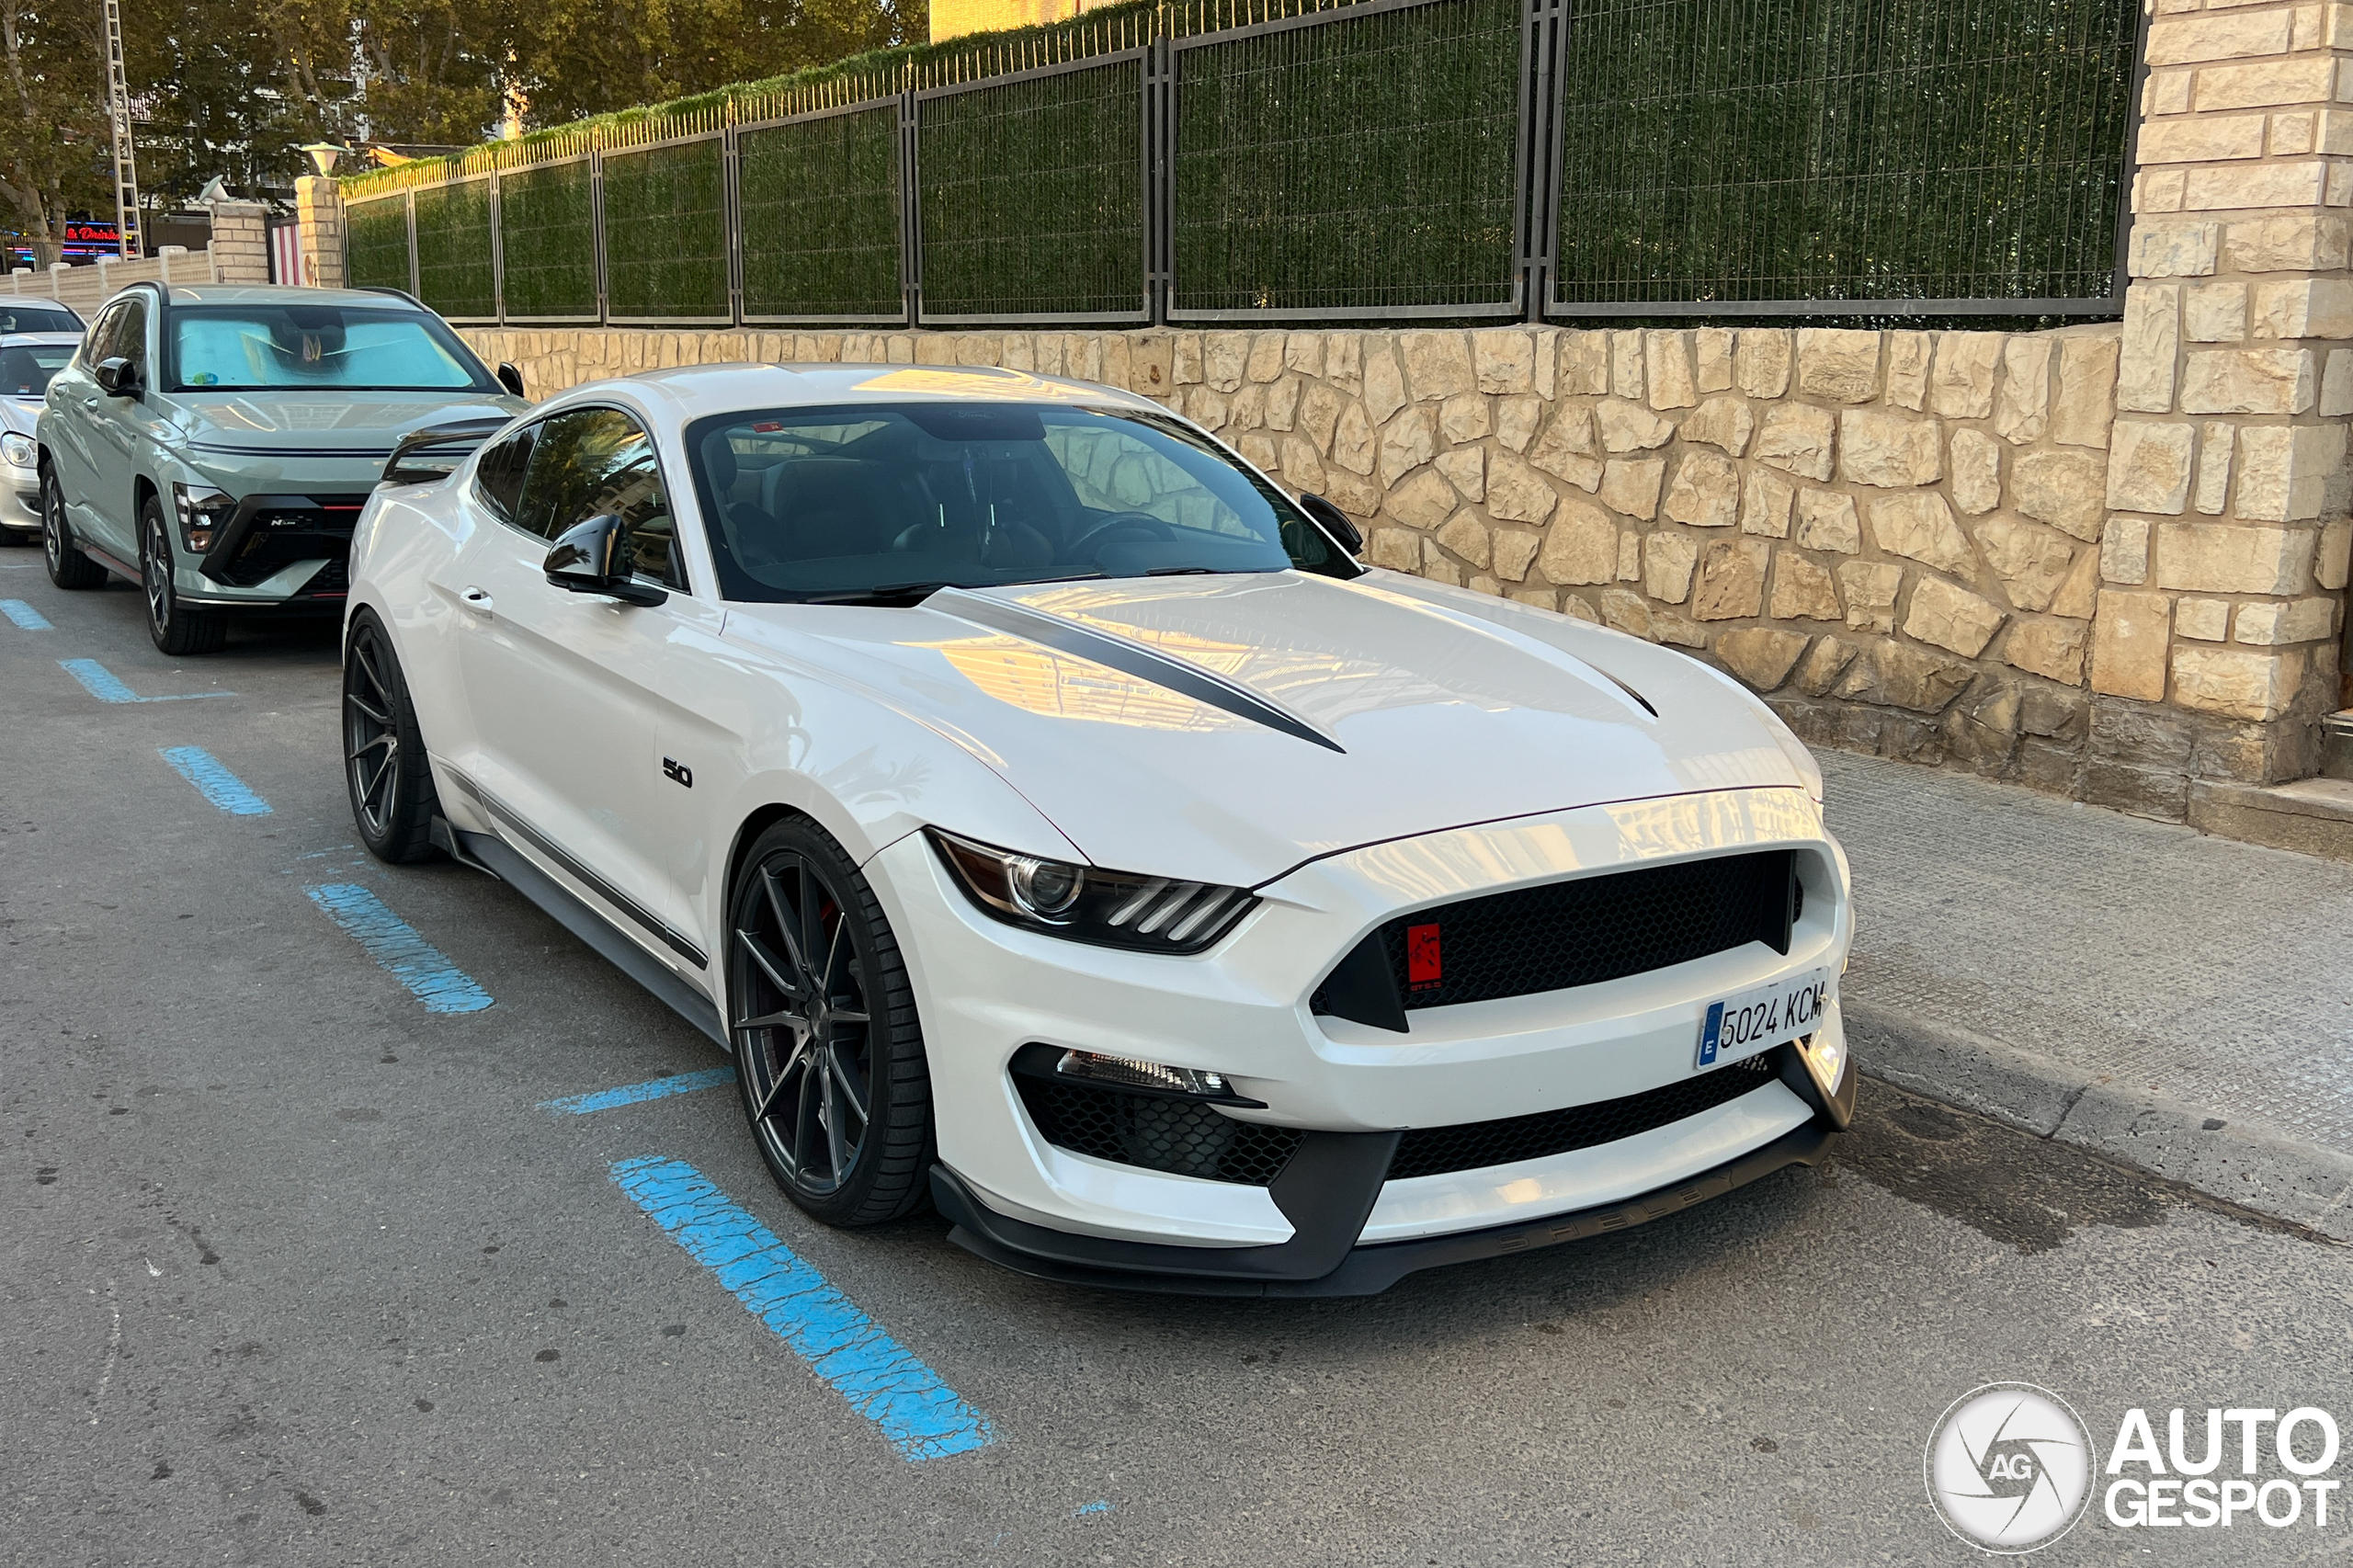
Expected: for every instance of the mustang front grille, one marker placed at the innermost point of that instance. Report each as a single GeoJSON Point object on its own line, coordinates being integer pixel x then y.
{"type": "Point", "coordinates": [1475, 1145]}
{"type": "Point", "coordinates": [1579, 932]}
{"type": "Point", "coordinates": [1157, 1133]}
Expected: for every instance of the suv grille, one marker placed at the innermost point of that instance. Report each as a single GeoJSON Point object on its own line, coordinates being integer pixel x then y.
{"type": "Point", "coordinates": [1157, 1133]}
{"type": "Point", "coordinates": [1475, 1145]}
{"type": "Point", "coordinates": [1563, 934]}
{"type": "Point", "coordinates": [305, 528]}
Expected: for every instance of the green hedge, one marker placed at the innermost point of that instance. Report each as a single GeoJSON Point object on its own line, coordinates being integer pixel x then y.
{"type": "Point", "coordinates": [546, 238]}
{"type": "Point", "coordinates": [1823, 149]}
{"type": "Point", "coordinates": [819, 203]}
{"type": "Point", "coordinates": [1033, 196]}
{"type": "Point", "coordinates": [375, 254]}
{"type": "Point", "coordinates": [666, 233]}
{"type": "Point", "coordinates": [454, 274]}
{"type": "Point", "coordinates": [1352, 165]}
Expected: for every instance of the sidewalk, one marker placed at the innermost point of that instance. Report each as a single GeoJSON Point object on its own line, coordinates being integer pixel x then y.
{"type": "Point", "coordinates": [2181, 1003]}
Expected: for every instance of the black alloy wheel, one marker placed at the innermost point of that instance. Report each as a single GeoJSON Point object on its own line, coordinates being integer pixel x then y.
{"type": "Point", "coordinates": [68, 567]}
{"type": "Point", "coordinates": [175, 629]}
{"type": "Point", "coordinates": [827, 1050]}
{"type": "Point", "coordinates": [384, 765]}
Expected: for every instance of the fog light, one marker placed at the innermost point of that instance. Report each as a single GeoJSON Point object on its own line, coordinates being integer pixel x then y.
{"type": "Point", "coordinates": [1132, 1074]}
{"type": "Point", "coordinates": [1826, 1058]}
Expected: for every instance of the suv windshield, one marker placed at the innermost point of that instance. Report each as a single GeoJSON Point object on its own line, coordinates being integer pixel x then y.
{"type": "Point", "coordinates": [24, 368]}
{"type": "Point", "coordinates": [17, 315]}
{"type": "Point", "coordinates": [294, 347]}
{"type": "Point", "coordinates": [837, 504]}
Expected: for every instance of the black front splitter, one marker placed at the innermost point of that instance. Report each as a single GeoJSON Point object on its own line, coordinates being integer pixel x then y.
{"type": "Point", "coordinates": [1068, 1259]}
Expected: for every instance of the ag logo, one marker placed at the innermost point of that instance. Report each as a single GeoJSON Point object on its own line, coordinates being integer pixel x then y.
{"type": "Point", "coordinates": [2009, 1468]}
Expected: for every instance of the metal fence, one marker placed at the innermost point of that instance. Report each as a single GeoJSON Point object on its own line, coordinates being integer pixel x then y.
{"type": "Point", "coordinates": [1216, 161]}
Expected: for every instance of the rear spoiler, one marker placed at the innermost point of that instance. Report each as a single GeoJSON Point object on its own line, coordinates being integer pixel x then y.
{"type": "Point", "coordinates": [434, 452]}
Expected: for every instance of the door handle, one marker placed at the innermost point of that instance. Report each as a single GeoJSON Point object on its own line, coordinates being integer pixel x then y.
{"type": "Point", "coordinates": [475, 600]}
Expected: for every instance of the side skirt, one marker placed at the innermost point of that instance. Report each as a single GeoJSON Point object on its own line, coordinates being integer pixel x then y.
{"type": "Point", "coordinates": [485, 853]}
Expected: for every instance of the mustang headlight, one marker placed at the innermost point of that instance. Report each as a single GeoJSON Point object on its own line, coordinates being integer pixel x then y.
{"type": "Point", "coordinates": [18, 450]}
{"type": "Point", "coordinates": [203, 512]}
{"type": "Point", "coordinates": [1086, 903]}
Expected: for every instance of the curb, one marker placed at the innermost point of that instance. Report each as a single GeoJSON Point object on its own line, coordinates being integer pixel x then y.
{"type": "Point", "coordinates": [2249, 1164]}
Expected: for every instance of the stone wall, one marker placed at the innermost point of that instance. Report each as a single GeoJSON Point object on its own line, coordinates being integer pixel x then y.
{"type": "Point", "coordinates": [2224, 557]}
{"type": "Point", "coordinates": [1899, 536]}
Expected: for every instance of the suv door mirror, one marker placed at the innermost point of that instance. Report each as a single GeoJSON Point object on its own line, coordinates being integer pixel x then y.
{"type": "Point", "coordinates": [594, 558]}
{"type": "Point", "coordinates": [1335, 522]}
{"type": "Point", "coordinates": [511, 379]}
{"type": "Point", "coordinates": [117, 376]}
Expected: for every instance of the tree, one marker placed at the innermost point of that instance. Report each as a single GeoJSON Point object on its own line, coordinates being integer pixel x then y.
{"type": "Point", "coordinates": [54, 137]}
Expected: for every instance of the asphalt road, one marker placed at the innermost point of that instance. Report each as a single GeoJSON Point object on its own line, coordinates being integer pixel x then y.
{"type": "Point", "coordinates": [294, 1270]}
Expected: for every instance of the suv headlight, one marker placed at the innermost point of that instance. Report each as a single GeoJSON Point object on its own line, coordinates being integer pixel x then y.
{"type": "Point", "coordinates": [1086, 903]}
{"type": "Point", "coordinates": [18, 450]}
{"type": "Point", "coordinates": [203, 511]}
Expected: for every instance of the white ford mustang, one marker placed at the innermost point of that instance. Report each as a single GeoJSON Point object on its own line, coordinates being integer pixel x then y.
{"type": "Point", "coordinates": [1060, 826]}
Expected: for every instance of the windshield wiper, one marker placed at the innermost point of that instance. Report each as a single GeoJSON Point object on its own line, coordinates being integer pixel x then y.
{"type": "Point", "coordinates": [882, 594]}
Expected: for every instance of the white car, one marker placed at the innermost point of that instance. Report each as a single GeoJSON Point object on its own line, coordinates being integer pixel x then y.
{"type": "Point", "coordinates": [36, 338]}
{"type": "Point", "coordinates": [1060, 825]}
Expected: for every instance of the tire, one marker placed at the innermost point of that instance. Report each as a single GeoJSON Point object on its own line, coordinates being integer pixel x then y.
{"type": "Point", "coordinates": [385, 770]}
{"type": "Point", "coordinates": [175, 629]}
{"type": "Point", "coordinates": [68, 567]}
{"type": "Point", "coordinates": [798, 893]}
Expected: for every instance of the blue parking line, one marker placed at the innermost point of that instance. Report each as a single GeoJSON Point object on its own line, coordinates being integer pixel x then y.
{"type": "Point", "coordinates": [922, 1416]}
{"type": "Point", "coordinates": [416, 963]}
{"type": "Point", "coordinates": [632, 1093]}
{"type": "Point", "coordinates": [215, 782]}
{"type": "Point", "coordinates": [24, 615]}
{"type": "Point", "coordinates": [107, 687]}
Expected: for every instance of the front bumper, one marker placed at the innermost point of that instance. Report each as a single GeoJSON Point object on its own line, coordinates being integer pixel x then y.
{"type": "Point", "coordinates": [984, 990]}
{"type": "Point", "coordinates": [19, 499]}
{"type": "Point", "coordinates": [1322, 1258]}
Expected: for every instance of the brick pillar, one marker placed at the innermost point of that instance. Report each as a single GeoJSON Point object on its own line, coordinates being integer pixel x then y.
{"type": "Point", "coordinates": [318, 207]}
{"type": "Point", "coordinates": [2225, 556]}
{"type": "Point", "coordinates": [240, 242]}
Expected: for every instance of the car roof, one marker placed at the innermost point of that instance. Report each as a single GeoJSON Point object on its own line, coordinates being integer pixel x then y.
{"type": "Point", "coordinates": [697, 389]}
{"type": "Point", "coordinates": [286, 293]}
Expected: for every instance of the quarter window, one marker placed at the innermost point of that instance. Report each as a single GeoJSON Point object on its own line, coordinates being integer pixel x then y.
{"type": "Point", "coordinates": [498, 478]}
{"type": "Point", "coordinates": [595, 460]}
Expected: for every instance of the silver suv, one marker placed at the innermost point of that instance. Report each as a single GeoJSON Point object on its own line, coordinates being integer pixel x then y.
{"type": "Point", "coordinates": [215, 444]}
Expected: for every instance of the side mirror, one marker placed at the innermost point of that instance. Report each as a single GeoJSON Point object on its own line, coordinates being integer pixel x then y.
{"type": "Point", "coordinates": [511, 379]}
{"type": "Point", "coordinates": [1335, 522]}
{"type": "Point", "coordinates": [117, 376]}
{"type": "Point", "coordinates": [593, 558]}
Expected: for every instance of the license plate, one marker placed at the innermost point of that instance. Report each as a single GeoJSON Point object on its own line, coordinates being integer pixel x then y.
{"type": "Point", "coordinates": [1762, 1017]}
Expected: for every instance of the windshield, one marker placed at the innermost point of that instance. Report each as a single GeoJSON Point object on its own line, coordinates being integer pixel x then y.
{"type": "Point", "coordinates": [17, 315]}
{"type": "Point", "coordinates": [24, 368]}
{"type": "Point", "coordinates": [832, 503]}
{"type": "Point", "coordinates": [300, 348]}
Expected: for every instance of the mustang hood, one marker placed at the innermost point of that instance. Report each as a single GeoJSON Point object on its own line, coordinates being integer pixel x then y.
{"type": "Point", "coordinates": [1230, 728]}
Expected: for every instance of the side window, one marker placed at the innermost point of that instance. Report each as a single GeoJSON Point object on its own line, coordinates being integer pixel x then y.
{"type": "Point", "coordinates": [101, 333]}
{"type": "Point", "coordinates": [130, 336]}
{"type": "Point", "coordinates": [595, 460]}
{"type": "Point", "coordinates": [498, 477]}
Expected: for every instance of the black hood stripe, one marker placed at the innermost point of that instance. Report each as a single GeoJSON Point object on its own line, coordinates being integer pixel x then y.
{"type": "Point", "coordinates": [1129, 658]}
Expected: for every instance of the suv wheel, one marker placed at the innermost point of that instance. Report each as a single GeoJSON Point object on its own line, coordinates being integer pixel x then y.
{"type": "Point", "coordinates": [384, 765]}
{"type": "Point", "coordinates": [68, 567]}
{"type": "Point", "coordinates": [176, 628]}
